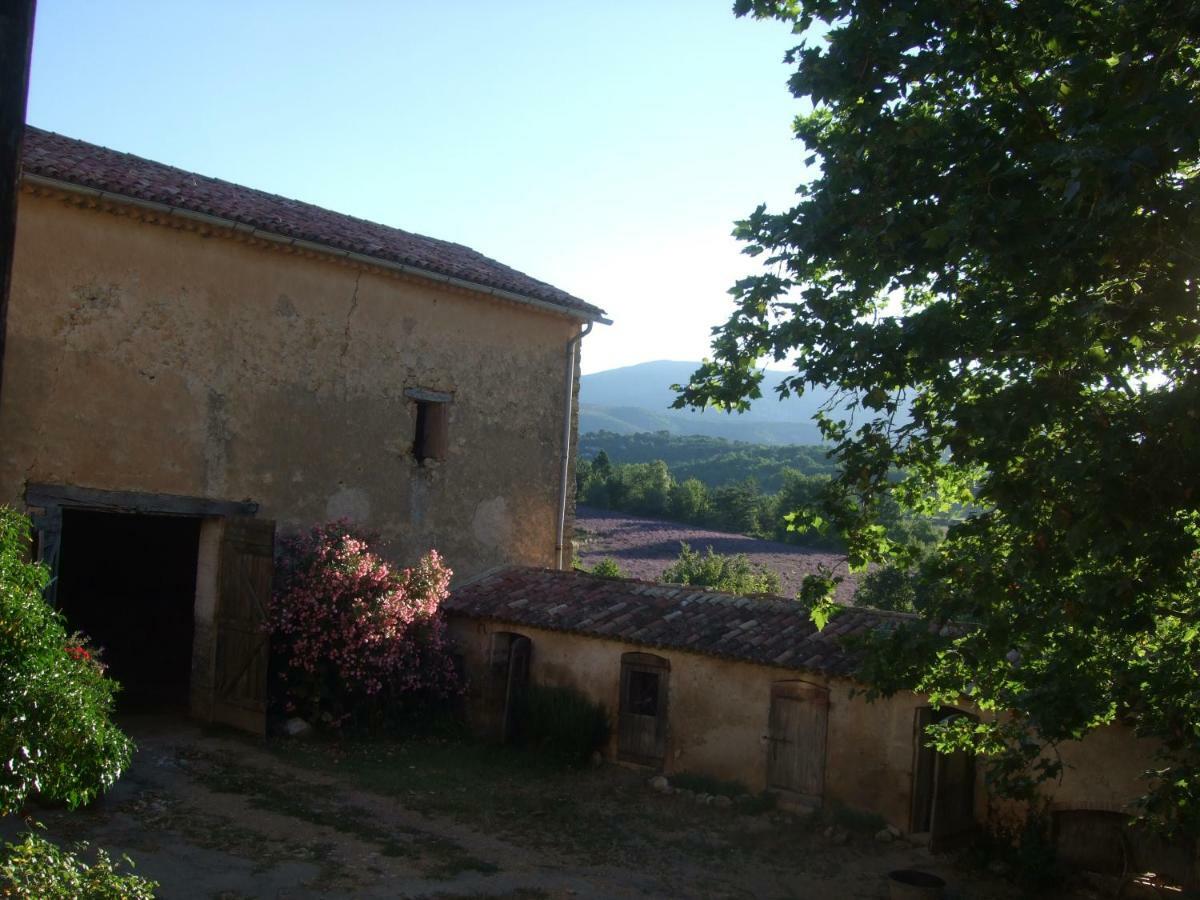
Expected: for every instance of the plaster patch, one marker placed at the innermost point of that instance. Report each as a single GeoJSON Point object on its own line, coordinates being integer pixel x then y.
{"type": "Point", "coordinates": [284, 308]}
{"type": "Point", "coordinates": [218, 438]}
{"type": "Point", "coordinates": [492, 525]}
{"type": "Point", "coordinates": [349, 503]}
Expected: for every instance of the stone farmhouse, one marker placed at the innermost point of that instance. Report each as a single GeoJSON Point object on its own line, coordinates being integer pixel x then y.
{"type": "Point", "coordinates": [192, 363]}
{"type": "Point", "coordinates": [746, 689]}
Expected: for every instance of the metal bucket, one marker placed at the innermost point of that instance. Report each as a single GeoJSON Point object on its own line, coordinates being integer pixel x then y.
{"type": "Point", "coordinates": [912, 884]}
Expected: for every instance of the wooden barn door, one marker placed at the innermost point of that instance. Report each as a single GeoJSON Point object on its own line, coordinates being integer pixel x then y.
{"type": "Point", "coordinates": [242, 651]}
{"type": "Point", "coordinates": [642, 723]}
{"type": "Point", "coordinates": [799, 721]}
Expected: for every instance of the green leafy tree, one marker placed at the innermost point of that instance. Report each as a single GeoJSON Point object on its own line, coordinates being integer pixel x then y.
{"type": "Point", "coordinates": [1001, 236]}
{"type": "Point", "coordinates": [57, 738]}
{"type": "Point", "coordinates": [689, 501]}
{"type": "Point", "coordinates": [56, 735]}
{"type": "Point", "coordinates": [724, 572]}
{"type": "Point", "coordinates": [601, 465]}
{"type": "Point", "coordinates": [735, 507]}
{"type": "Point", "coordinates": [888, 587]}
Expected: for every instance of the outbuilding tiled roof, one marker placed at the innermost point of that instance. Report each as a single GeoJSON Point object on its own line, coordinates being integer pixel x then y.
{"type": "Point", "coordinates": [88, 165]}
{"type": "Point", "coordinates": [772, 631]}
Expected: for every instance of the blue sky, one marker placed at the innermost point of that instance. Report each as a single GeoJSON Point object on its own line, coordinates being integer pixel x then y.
{"type": "Point", "coordinates": [603, 147]}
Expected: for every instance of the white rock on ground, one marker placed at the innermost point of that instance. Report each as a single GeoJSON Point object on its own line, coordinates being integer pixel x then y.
{"type": "Point", "coordinates": [296, 727]}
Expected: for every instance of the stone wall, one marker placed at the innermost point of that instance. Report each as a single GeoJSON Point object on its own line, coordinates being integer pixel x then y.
{"type": "Point", "coordinates": [145, 356]}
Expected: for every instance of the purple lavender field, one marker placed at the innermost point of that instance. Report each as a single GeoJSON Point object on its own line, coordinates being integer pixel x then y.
{"type": "Point", "coordinates": [645, 547]}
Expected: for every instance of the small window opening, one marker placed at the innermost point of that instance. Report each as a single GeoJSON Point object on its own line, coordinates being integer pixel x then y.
{"type": "Point", "coordinates": [643, 693]}
{"type": "Point", "coordinates": [430, 438]}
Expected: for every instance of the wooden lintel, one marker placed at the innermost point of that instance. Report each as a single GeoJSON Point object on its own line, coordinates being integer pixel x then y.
{"type": "Point", "coordinates": [66, 495]}
{"type": "Point", "coordinates": [428, 396]}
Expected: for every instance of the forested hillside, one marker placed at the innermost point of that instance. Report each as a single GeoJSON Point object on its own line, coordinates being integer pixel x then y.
{"type": "Point", "coordinates": [732, 487]}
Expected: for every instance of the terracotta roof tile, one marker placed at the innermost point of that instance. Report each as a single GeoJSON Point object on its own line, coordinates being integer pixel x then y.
{"type": "Point", "coordinates": [769, 630]}
{"type": "Point", "coordinates": [88, 165]}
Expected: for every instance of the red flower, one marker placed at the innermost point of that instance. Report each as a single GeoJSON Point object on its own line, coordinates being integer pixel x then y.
{"type": "Point", "coordinates": [78, 653]}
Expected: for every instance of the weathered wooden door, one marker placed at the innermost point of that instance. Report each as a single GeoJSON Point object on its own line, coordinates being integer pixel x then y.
{"type": "Point", "coordinates": [519, 652]}
{"type": "Point", "coordinates": [799, 722]}
{"type": "Point", "coordinates": [242, 649]}
{"type": "Point", "coordinates": [642, 723]}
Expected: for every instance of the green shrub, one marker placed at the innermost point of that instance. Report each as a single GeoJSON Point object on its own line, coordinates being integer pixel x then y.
{"type": "Point", "coordinates": [732, 574]}
{"type": "Point", "coordinates": [608, 568]}
{"type": "Point", "coordinates": [888, 587]}
{"type": "Point", "coordinates": [37, 868]}
{"type": "Point", "coordinates": [56, 737]}
{"type": "Point", "coordinates": [853, 819]}
{"type": "Point", "coordinates": [561, 723]}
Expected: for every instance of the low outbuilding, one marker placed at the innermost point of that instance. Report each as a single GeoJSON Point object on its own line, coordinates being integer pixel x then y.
{"type": "Point", "coordinates": [747, 689]}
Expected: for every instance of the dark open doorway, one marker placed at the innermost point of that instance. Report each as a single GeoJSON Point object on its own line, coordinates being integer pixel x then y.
{"type": "Point", "coordinates": [128, 581]}
{"type": "Point", "coordinates": [943, 798]}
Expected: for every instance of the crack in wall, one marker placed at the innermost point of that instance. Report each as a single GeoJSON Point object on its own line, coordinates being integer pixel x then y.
{"type": "Point", "coordinates": [346, 334]}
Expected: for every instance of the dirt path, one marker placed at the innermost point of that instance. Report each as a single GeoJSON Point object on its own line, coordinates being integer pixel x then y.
{"type": "Point", "coordinates": [213, 815]}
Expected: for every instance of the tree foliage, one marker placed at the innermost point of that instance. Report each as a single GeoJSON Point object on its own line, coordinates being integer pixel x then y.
{"type": "Point", "coordinates": [608, 568]}
{"type": "Point", "coordinates": [714, 461]}
{"type": "Point", "coordinates": [792, 514]}
{"type": "Point", "coordinates": [1002, 232]}
{"type": "Point", "coordinates": [734, 574]}
{"type": "Point", "coordinates": [35, 867]}
{"type": "Point", "coordinates": [57, 739]}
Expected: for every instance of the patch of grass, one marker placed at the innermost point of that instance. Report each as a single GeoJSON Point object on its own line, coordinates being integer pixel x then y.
{"type": "Point", "coordinates": [854, 819]}
{"type": "Point", "coordinates": [283, 795]}
{"type": "Point", "coordinates": [561, 723]}
{"type": "Point", "coordinates": [603, 816]}
{"type": "Point", "coordinates": [757, 804]}
{"type": "Point", "coordinates": [518, 894]}
{"type": "Point", "coordinates": [495, 789]}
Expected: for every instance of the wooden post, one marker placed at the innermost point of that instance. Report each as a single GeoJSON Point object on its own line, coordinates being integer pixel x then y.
{"type": "Point", "coordinates": [16, 43]}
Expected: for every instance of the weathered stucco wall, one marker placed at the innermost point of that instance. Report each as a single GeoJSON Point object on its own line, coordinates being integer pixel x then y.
{"type": "Point", "coordinates": [718, 714]}
{"type": "Point", "coordinates": [718, 721]}
{"type": "Point", "coordinates": [152, 358]}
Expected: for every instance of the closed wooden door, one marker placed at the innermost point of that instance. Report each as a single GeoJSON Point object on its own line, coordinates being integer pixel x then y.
{"type": "Point", "coordinates": [799, 721]}
{"type": "Point", "coordinates": [642, 723]}
{"type": "Point", "coordinates": [242, 649]}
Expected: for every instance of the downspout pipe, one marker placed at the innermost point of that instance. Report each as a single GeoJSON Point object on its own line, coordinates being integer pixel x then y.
{"type": "Point", "coordinates": [568, 408]}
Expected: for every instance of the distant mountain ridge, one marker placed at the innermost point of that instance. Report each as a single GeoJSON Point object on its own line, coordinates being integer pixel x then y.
{"type": "Point", "coordinates": [638, 398]}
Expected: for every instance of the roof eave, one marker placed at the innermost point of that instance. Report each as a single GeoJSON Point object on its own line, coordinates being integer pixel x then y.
{"type": "Point", "coordinates": [33, 178]}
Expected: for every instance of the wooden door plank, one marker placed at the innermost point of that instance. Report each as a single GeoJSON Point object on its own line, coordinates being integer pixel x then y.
{"type": "Point", "coordinates": [246, 566]}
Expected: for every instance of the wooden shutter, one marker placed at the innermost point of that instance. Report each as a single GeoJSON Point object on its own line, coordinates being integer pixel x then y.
{"type": "Point", "coordinates": [799, 722]}
{"type": "Point", "coordinates": [242, 649]}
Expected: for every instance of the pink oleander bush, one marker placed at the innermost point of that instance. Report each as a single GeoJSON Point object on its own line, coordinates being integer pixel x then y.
{"type": "Point", "coordinates": [357, 641]}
